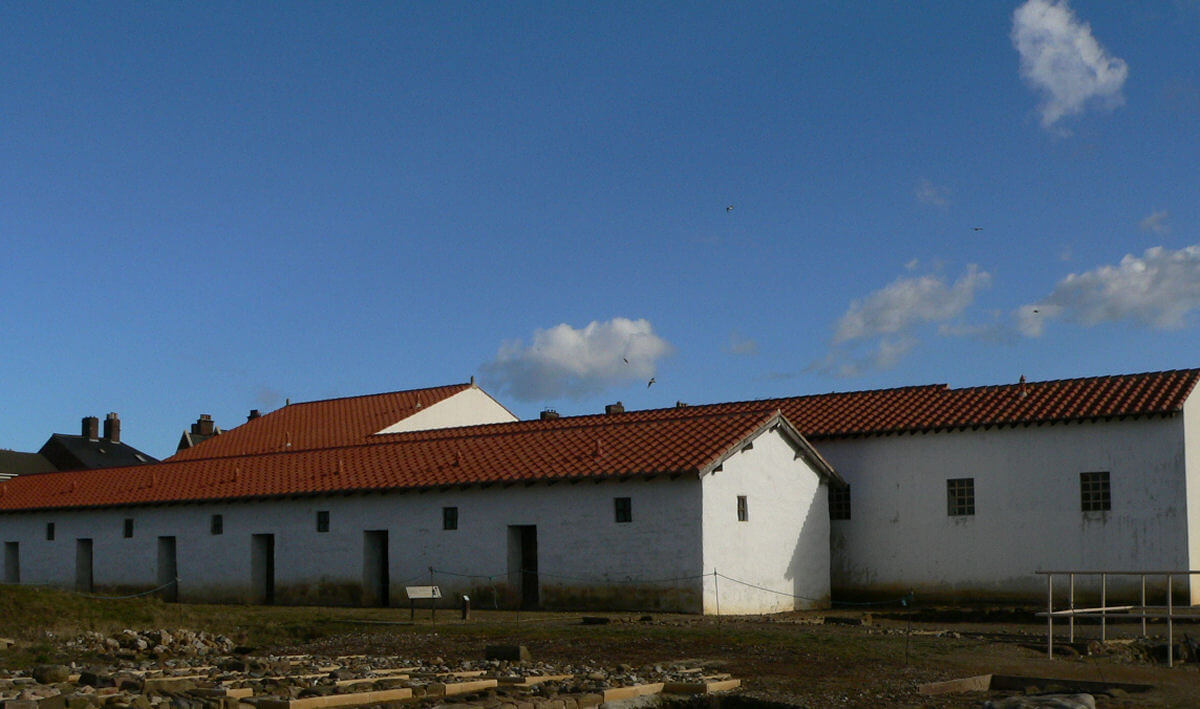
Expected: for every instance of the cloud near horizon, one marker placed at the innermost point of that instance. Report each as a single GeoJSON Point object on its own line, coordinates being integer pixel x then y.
{"type": "Point", "coordinates": [566, 362]}
{"type": "Point", "coordinates": [877, 331]}
{"type": "Point", "coordinates": [1157, 290]}
{"type": "Point", "coordinates": [1063, 62]}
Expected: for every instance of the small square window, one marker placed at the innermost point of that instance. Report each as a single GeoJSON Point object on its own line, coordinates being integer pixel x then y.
{"type": "Point", "coordinates": [50, 531]}
{"type": "Point", "coordinates": [743, 509]}
{"type": "Point", "coordinates": [839, 502]}
{"type": "Point", "coordinates": [449, 518]}
{"type": "Point", "coordinates": [216, 525]}
{"type": "Point", "coordinates": [623, 507]}
{"type": "Point", "coordinates": [128, 531]}
{"type": "Point", "coordinates": [1095, 491]}
{"type": "Point", "coordinates": [322, 520]}
{"type": "Point", "coordinates": [960, 497]}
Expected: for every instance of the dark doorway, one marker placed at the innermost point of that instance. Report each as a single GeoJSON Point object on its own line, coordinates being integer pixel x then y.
{"type": "Point", "coordinates": [262, 568]}
{"type": "Point", "coordinates": [523, 563]}
{"type": "Point", "coordinates": [167, 582]}
{"type": "Point", "coordinates": [83, 565]}
{"type": "Point", "coordinates": [376, 582]}
{"type": "Point", "coordinates": [12, 562]}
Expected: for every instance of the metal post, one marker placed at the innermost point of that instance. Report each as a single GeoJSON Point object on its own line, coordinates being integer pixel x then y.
{"type": "Point", "coordinates": [1071, 622]}
{"type": "Point", "coordinates": [1170, 624]}
{"type": "Point", "coordinates": [1143, 605]}
{"type": "Point", "coordinates": [1103, 607]}
{"type": "Point", "coordinates": [1050, 616]}
{"type": "Point", "coordinates": [717, 593]}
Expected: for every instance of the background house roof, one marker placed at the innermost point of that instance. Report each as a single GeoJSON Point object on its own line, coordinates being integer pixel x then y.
{"type": "Point", "coordinates": [319, 424]}
{"type": "Point", "coordinates": [673, 442]}
{"type": "Point", "coordinates": [68, 452]}
{"type": "Point", "coordinates": [17, 463]}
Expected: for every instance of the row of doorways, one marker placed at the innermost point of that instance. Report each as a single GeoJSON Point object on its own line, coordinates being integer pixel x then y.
{"type": "Point", "coordinates": [522, 564]}
{"type": "Point", "coordinates": [376, 579]}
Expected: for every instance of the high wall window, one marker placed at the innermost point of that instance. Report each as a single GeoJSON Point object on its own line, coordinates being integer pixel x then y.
{"type": "Point", "coordinates": [623, 508]}
{"type": "Point", "coordinates": [322, 520]}
{"type": "Point", "coordinates": [50, 531]}
{"type": "Point", "coordinates": [1095, 491]}
{"type": "Point", "coordinates": [839, 502]}
{"type": "Point", "coordinates": [960, 497]}
{"type": "Point", "coordinates": [743, 509]}
{"type": "Point", "coordinates": [128, 529]}
{"type": "Point", "coordinates": [216, 525]}
{"type": "Point", "coordinates": [449, 518]}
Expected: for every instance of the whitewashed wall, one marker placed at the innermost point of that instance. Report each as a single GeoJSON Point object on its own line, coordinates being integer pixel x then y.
{"type": "Point", "coordinates": [1191, 432]}
{"type": "Point", "coordinates": [466, 408]}
{"type": "Point", "coordinates": [585, 558]}
{"type": "Point", "coordinates": [1027, 507]}
{"type": "Point", "coordinates": [784, 544]}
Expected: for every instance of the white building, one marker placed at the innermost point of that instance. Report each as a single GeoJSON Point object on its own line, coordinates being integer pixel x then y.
{"type": "Point", "coordinates": [957, 494]}
{"type": "Point", "coordinates": [348, 500]}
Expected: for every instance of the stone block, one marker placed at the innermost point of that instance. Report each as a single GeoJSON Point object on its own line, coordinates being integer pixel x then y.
{"type": "Point", "coordinates": [509, 653]}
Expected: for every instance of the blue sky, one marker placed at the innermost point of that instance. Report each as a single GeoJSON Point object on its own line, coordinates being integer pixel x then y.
{"type": "Point", "coordinates": [212, 207]}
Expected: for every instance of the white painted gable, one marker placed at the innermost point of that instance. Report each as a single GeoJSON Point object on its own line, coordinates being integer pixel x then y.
{"type": "Point", "coordinates": [469, 407]}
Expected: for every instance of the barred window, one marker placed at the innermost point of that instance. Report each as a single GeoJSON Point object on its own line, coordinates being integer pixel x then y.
{"type": "Point", "coordinates": [449, 518]}
{"type": "Point", "coordinates": [839, 502]}
{"type": "Point", "coordinates": [1095, 491]}
{"type": "Point", "coordinates": [217, 525]}
{"type": "Point", "coordinates": [323, 520]}
{"type": "Point", "coordinates": [743, 509]}
{"type": "Point", "coordinates": [49, 531]}
{"type": "Point", "coordinates": [623, 508]}
{"type": "Point", "coordinates": [960, 497]}
{"type": "Point", "coordinates": [128, 527]}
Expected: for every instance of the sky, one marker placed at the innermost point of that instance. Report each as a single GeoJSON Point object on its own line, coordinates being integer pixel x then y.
{"type": "Point", "coordinates": [215, 207]}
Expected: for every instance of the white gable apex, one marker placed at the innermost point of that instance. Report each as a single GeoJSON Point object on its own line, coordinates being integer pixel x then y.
{"type": "Point", "coordinates": [469, 407]}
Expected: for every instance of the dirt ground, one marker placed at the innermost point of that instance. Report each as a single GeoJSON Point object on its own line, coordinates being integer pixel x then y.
{"type": "Point", "coordinates": [815, 659]}
{"type": "Point", "coordinates": [798, 659]}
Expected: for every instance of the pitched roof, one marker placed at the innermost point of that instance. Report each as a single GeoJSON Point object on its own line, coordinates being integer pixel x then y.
{"type": "Point", "coordinates": [673, 442]}
{"type": "Point", "coordinates": [937, 407]}
{"type": "Point", "coordinates": [69, 452]}
{"type": "Point", "coordinates": [17, 463]}
{"type": "Point", "coordinates": [319, 424]}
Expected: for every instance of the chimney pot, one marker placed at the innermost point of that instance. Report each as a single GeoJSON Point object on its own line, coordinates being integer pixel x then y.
{"type": "Point", "coordinates": [549, 414]}
{"type": "Point", "coordinates": [204, 425]}
{"type": "Point", "coordinates": [254, 413]}
{"type": "Point", "coordinates": [91, 427]}
{"type": "Point", "coordinates": [112, 428]}
{"type": "Point", "coordinates": [617, 408]}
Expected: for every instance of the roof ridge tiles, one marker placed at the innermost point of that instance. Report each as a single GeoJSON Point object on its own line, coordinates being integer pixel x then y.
{"type": "Point", "coordinates": [376, 394]}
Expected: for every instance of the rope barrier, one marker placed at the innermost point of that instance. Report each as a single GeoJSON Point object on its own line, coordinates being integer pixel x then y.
{"type": "Point", "coordinates": [168, 584]}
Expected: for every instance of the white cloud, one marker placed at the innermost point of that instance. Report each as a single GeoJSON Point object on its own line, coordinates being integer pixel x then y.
{"type": "Point", "coordinates": [1156, 222]}
{"type": "Point", "coordinates": [1157, 290]}
{"type": "Point", "coordinates": [739, 345]}
{"type": "Point", "coordinates": [1063, 61]}
{"type": "Point", "coordinates": [931, 194]}
{"type": "Point", "coordinates": [567, 362]}
{"type": "Point", "coordinates": [908, 302]}
{"type": "Point", "coordinates": [879, 330]}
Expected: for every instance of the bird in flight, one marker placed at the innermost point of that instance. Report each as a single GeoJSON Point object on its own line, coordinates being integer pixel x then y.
{"type": "Point", "coordinates": [626, 360]}
{"type": "Point", "coordinates": [649, 382]}
{"type": "Point", "coordinates": [729, 208]}
{"type": "Point", "coordinates": [976, 228]}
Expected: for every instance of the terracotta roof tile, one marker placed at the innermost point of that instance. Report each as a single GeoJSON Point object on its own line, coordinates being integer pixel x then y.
{"type": "Point", "coordinates": [673, 442]}
{"type": "Point", "coordinates": [938, 407]}
{"type": "Point", "coordinates": [319, 424]}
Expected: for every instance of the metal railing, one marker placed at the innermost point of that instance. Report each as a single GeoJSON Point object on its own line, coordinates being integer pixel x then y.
{"type": "Point", "coordinates": [1169, 611]}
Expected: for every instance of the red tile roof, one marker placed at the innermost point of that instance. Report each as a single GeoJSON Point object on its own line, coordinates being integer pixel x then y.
{"type": "Point", "coordinates": [319, 424]}
{"type": "Point", "coordinates": [937, 407]}
{"type": "Point", "coordinates": [672, 442]}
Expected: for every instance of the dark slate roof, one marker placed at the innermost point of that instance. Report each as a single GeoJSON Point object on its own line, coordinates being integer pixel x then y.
{"type": "Point", "coordinates": [69, 452]}
{"type": "Point", "coordinates": [16, 463]}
